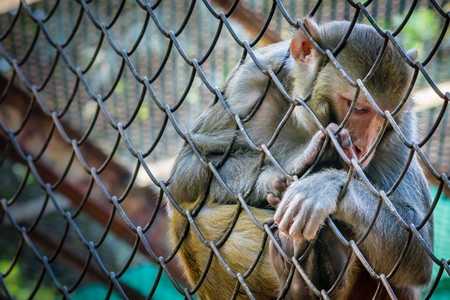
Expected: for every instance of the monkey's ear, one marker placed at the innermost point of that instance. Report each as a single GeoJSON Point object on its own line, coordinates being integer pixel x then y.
{"type": "Point", "coordinates": [302, 49]}
{"type": "Point", "coordinates": [412, 54]}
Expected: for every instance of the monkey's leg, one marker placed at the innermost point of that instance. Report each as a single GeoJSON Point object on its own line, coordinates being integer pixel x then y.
{"type": "Point", "coordinates": [239, 252]}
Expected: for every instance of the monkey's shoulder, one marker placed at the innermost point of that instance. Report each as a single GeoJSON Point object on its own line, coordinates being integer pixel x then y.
{"type": "Point", "coordinates": [247, 83]}
{"type": "Point", "coordinates": [268, 57]}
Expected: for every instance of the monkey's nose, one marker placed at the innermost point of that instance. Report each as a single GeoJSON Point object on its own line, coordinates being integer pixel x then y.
{"type": "Point", "coordinates": [358, 151]}
{"type": "Point", "coordinates": [354, 151]}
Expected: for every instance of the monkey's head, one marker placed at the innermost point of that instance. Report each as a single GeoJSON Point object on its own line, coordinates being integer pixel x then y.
{"type": "Point", "coordinates": [333, 95]}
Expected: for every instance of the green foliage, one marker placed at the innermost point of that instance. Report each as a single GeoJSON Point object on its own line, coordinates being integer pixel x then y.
{"type": "Point", "coordinates": [422, 28]}
{"type": "Point", "coordinates": [20, 288]}
{"type": "Point", "coordinates": [143, 113]}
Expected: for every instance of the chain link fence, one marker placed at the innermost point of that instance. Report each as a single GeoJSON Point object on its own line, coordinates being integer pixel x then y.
{"type": "Point", "coordinates": [96, 98]}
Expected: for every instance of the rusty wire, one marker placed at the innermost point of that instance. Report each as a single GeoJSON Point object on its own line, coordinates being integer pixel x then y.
{"type": "Point", "coordinates": [13, 145]}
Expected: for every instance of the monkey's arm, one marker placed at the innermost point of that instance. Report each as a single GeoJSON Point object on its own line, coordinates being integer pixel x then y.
{"type": "Point", "coordinates": [385, 242]}
{"type": "Point", "coordinates": [189, 177]}
{"type": "Point", "coordinates": [309, 201]}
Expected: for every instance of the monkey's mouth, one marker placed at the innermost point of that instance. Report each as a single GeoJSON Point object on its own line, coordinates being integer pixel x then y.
{"type": "Point", "coordinates": [357, 155]}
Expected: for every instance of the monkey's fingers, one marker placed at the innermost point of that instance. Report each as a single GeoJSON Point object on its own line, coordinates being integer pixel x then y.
{"type": "Point", "coordinates": [269, 221]}
{"type": "Point", "coordinates": [343, 136]}
{"type": "Point", "coordinates": [333, 126]}
{"type": "Point", "coordinates": [280, 184]}
{"type": "Point", "coordinates": [345, 140]}
{"type": "Point", "coordinates": [282, 266]}
{"type": "Point", "coordinates": [273, 200]}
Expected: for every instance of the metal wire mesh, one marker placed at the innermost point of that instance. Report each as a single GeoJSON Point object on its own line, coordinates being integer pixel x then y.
{"type": "Point", "coordinates": [96, 100]}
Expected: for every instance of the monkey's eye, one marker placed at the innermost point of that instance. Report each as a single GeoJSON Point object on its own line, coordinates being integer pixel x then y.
{"type": "Point", "coordinates": [361, 109]}
{"type": "Point", "coordinates": [347, 101]}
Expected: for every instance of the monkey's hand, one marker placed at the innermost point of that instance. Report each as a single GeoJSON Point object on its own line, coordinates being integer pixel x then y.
{"type": "Point", "coordinates": [306, 204]}
{"type": "Point", "coordinates": [292, 248]}
{"type": "Point", "coordinates": [300, 163]}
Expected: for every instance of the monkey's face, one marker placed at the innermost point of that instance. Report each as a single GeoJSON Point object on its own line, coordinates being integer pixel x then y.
{"type": "Point", "coordinates": [387, 86]}
{"type": "Point", "coordinates": [336, 88]}
{"type": "Point", "coordinates": [363, 125]}
{"type": "Point", "coordinates": [363, 122]}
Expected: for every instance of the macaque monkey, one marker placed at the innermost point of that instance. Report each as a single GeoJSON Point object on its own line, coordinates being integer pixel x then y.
{"type": "Point", "coordinates": [310, 175]}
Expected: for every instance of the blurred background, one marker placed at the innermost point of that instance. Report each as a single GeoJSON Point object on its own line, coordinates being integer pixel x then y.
{"type": "Point", "coordinates": [81, 213]}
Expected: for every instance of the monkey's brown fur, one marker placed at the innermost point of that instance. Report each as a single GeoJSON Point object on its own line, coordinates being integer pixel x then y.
{"type": "Point", "coordinates": [219, 284]}
{"type": "Point", "coordinates": [263, 282]}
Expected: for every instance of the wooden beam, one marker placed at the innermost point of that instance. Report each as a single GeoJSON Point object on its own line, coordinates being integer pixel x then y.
{"type": "Point", "coordinates": [251, 21]}
{"type": "Point", "coordinates": [139, 204]}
